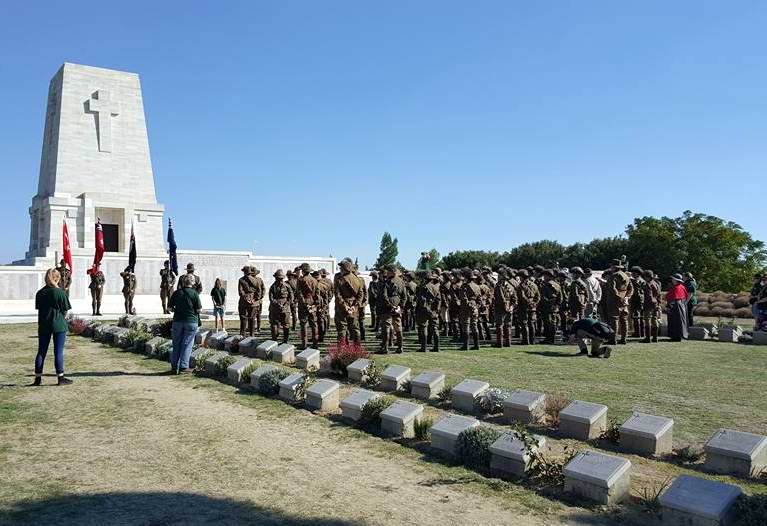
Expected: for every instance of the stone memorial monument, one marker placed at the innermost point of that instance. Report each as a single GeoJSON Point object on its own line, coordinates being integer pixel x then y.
{"type": "Point", "coordinates": [96, 164]}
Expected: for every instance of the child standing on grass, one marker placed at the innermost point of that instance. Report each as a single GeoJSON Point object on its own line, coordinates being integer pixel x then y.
{"type": "Point", "coordinates": [218, 294]}
{"type": "Point", "coordinates": [52, 304]}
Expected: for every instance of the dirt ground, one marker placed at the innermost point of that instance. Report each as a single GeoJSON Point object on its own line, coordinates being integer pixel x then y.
{"type": "Point", "coordinates": [128, 445]}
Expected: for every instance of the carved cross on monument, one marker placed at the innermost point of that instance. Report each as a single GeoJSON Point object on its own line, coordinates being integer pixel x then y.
{"type": "Point", "coordinates": [101, 104]}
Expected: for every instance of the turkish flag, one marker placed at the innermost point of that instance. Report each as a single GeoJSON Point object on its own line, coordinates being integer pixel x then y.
{"type": "Point", "coordinates": [99, 255]}
{"type": "Point", "coordinates": [67, 248]}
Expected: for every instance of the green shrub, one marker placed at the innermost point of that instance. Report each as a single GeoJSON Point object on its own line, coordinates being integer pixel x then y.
{"type": "Point", "coordinates": [245, 377]}
{"type": "Point", "coordinates": [751, 510]}
{"type": "Point", "coordinates": [269, 383]}
{"type": "Point", "coordinates": [687, 455]}
{"type": "Point", "coordinates": [543, 471]}
{"type": "Point", "coordinates": [372, 375]}
{"type": "Point", "coordinates": [444, 395]}
{"type": "Point", "coordinates": [421, 428]}
{"type": "Point", "coordinates": [305, 383]}
{"type": "Point", "coordinates": [612, 432]}
{"type": "Point", "coordinates": [371, 411]}
{"type": "Point", "coordinates": [553, 404]}
{"type": "Point", "coordinates": [650, 496]}
{"type": "Point", "coordinates": [491, 401]}
{"type": "Point", "coordinates": [136, 338]}
{"type": "Point", "coordinates": [199, 362]}
{"type": "Point", "coordinates": [474, 446]}
{"type": "Point", "coordinates": [223, 364]}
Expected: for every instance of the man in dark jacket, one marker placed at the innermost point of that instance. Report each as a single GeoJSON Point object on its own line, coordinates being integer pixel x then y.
{"type": "Point", "coordinates": [596, 331]}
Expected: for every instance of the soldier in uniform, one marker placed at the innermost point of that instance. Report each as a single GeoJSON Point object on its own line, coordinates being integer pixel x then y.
{"type": "Point", "coordinates": [307, 304]}
{"type": "Point", "coordinates": [579, 295]}
{"type": "Point", "coordinates": [456, 283]}
{"type": "Point", "coordinates": [280, 300]}
{"type": "Point", "coordinates": [563, 278]}
{"type": "Point", "coordinates": [96, 287]}
{"type": "Point", "coordinates": [537, 274]}
{"type": "Point", "coordinates": [324, 296]}
{"type": "Point", "coordinates": [66, 276]}
{"type": "Point", "coordinates": [349, 294]}
{"type": "Point", "coordinates": [293, 282]}
{"type": "Point", "coordinates": [636, 303]}
{"type": "Point", "coordinates": [504, 301]}
{"type": "Point", "coordinates": [361, 310]}
{"type": "Point", "coordinates": [197, 281]}
{"type": "Point", "coordinates": [129, 289]}
{"type": "Point", "coordinates": [651, 306]}
{"type": "Point", "coordinates": [619, 291]}
{"type": "Point", "coordinates": [471, 302]}
{"type": "Point", "coordinates": [373, 299]}
{"type": "Point", "coordinates": [330, 293]}
{"type": "Point", "coordinates": [260, 296]}
{"type": "Point", "coordinates": [167, 281]}
{"type": "Point", "coordinates": [551, 301]}
{"type": "Point", "coordinates": [529, 296]}
{"type": "Point", "coordinates": [250, 295]}
{"type": "Point", "coordinates": [408, 312]}
{"type": "Point", "coordinates": [427, 309]}
{"type": "Point", "coordinates": [485, 308]}
{"type": "Point", "coordinates": [393, 294]}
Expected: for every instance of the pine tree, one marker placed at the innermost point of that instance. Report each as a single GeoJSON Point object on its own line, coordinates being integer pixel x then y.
{"type": "Point", "coordinates": [388, 252]}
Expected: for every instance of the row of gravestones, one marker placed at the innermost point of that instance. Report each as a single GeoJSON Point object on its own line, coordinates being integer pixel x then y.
{"type": "Point", "coordinates": [709, 331]}
{"type": "Point", "coordinates": [592, 475]}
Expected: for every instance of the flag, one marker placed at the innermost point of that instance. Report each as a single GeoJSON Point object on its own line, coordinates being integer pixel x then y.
{"type": "Point", "coordinates": [67, 248]}
{"type": "Point", "coordinates": [97, 257]}
{"type": "Point", "coordinates": [172, 248]}
{"type": "Point", "coordinates": [132, 251]}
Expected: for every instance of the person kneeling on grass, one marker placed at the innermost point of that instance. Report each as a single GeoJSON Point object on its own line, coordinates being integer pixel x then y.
{"type": "Point", "coordinates": [185, 304]}
{"type": "Point", "coordinates": [52, 304]}
{"type": "Point", "coordinates": [596, 331]}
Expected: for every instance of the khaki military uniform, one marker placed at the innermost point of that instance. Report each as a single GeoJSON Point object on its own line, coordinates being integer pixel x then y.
{"type": "Point", "coordinates": [197, 283]}
{"type": "Point", "coordinates": [551, 301]}
{"type": "Point", "coordinates": [66, 278]}
{"type": "Point", "coordinates": [454, 310]}
{"type": "Point", "coordinates": [129, 290]}
{"type": "Point", "coordinates": [428, 305]}
{"type": "Point", "coordinates": [393, 295]}
{"type": "Point", "coordinates": [361, 310]}
{"type": "Point", "coordinates": [373, 302]}
{"type": "Point", "coordinates": [504, 303]}
{"type": "Point", "coordinates": [324, 295]}
{"type": "Point", "coordinates": [485, 309]}
{"type": "Point", "coordinates": [251, 290]}
{"type": "Point", "coordinates": [619, 291]}
{"type": "Point", "coordinates": [307, 307]}
{"type": "Point", "coordinates": [349, 296]}
{"type": "Point", "coordinates": [280, 301]}
{"type": "Point", "coordinates": [529, 296]}
{"type": "Point", "coordinates": [471, 302]}
{"type": "Point", "coordinates": [167, 281]}
{"type": "Point", "coordinates": [96, 287]}
{"type": "Point", "coordinates": [651, 308]}
{"type": "Point", "coordinates": [293, 282]}
{"type": "Point", "coordinates": [446, 293]}
{"type": "Point", "coordinates": [577, 299]}
{"type": "Point", "coordinates": [636, 305]}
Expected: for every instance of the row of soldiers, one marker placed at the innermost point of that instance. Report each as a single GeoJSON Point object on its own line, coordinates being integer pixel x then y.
{"type": "Point", "coordinates": [532, 302]}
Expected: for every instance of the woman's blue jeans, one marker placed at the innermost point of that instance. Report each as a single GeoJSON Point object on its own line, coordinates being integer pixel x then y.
{"type": "Point", "coordinates": [183, 338]}
{"type": "Point", "coordinates": [44, 341]}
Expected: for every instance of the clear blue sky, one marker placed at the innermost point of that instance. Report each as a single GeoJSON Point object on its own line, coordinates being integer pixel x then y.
{"type": "Point", "coordinates": [309, 128]}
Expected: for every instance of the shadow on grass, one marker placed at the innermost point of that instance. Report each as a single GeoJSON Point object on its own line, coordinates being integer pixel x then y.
{"type": "Point", "coordinates": [555, 354]}
{"type": "Point", "coordinates": [155, 508]}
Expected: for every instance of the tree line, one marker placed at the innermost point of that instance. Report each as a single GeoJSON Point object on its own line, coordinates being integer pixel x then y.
{"type": "Point", "coordinates": [719, 253]}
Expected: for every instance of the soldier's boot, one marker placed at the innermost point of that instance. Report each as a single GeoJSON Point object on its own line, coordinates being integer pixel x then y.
{"type": "Point", "coordinates": [398, 339]}
{"type": "Point", "coordinates": [624, 325]}
{"type": "Point", "coordinates": [498, 337]}
{"type": "Point", "coordinates": [243, 326]}
{"type": "Point", "coordinates": [285, 335]}
{"type": "Point", "coordinates": [465, 343]}
{"type": "Point", "coordinates": [435, 339]}
{"type": "Point", "coordinates": [314, 337]}
{"type": "Point", "coordinates": [635, 330]}
{"type": "Point", "coordinates": [647, 338]}
{"type": "Point", "coordinates": [475, 340]}
{"type": "Point", "coordinates": [506, 337]}
{"type": "Point", "coordinates": [655, 331]}
{"type": "Point", "coordinates": [421, 340]}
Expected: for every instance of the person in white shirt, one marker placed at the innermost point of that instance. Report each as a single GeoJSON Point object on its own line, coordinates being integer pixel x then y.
{"type": "Point", "coordinates": [594, 289]}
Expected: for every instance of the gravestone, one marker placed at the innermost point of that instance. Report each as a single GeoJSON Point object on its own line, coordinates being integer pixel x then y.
{"type": "Point", "coordinates": [322, 395]}
{"type": "Point", "coordinates": [150, 347]}
{"type": "Point", "coordinates": [524, 406]}
{"type": "Point", "coordinates": [201, 336]}
{"type": "Point", "coordinates": [647, 435]}
{"type": "Point", "coordinates": [289, 387]}
{"type": "Point", "coordinates": [399, 418]}
{"type": "Point", "coordinates": [394, 377]}
{"type": "Point", "coordinates": [265, 349]}
{"type": "Point", "coordinates": [427, 385]}
{"type": "Point", "coordinates": [164, 350]}
{"type": "Point", "coordinates": [211, 363]}
{"type": "Point", "coordinates": [509, 457]}
{"type": "Point", "coordinates": [759, 338]}
{"type": "Point", "coordinates": [356, 371]}
{"type": "Point", "coordinates": [232, 344]}
{"type": "Point", "coordinates": [351, 406]}
{"type": "Point", "coordinates": [583, 420]}
{"type": "Point", "coordinates": [308, 359]}
{"type": "Point", "coordinates": [196, 354]}
{"type": "Point", "coordinates": [605, 479]}
{"type": "Point", "coordinates": [248, 346]}
{"type": "Point", "coordinates": [697, 333]}
{"type": "Point", "coordinates": [284, 353]}
{"type": "Point", "coordinates": [120, 337]}
{"type": "Point", "coordinates": [256, 375]}
{"type": "Point", "coordinates": [464, 394]}
{"type": "Point", "coordinates": [695, 501]}
{"type": "Point", "coordinates": [216, 340]}
{"type": "Point", "coordinates": [444, 434]}
{"type": "Point", "coordinates": [234, 371]}
{"type": "Point", "coordinates": [736, 452]}
{"type": "Point", "coordinates": [730, 334]}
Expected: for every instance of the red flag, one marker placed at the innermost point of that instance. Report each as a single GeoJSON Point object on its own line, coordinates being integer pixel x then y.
{"type": "Point", "coordinates": [67, 248]}
{"type": "Point", "coordinates": [97, 257]}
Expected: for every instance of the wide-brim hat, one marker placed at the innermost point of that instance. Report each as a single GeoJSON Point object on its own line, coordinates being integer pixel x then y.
{"type": "Point", "coordinates": [617, 263]}
{"type": "Point", "coordinates": [305, 267]}
{"type": "Point", "coordinates": [190, 266]}
{"type": "Point", "coordinates": [279, 273]}
{"type": "Point", "coordinates": [246, 268]}
{"type": "Point", "coordinates": [677, 277]}
{"type": "Point", "coordinates": [576, 270]}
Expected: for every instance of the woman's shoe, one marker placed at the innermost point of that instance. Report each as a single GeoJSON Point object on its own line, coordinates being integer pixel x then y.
{"type": "Point", "coordinates": [63, 380]}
